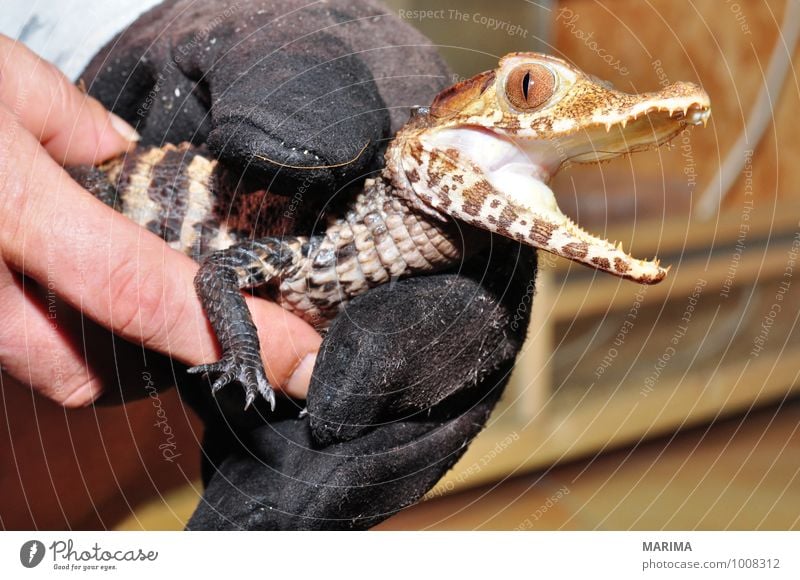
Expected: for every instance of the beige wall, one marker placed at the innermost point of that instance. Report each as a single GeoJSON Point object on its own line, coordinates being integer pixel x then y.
{"type": "Point", "coordinates": [723, 45]}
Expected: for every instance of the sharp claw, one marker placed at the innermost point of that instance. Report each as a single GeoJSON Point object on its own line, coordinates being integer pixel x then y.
{"type": "Point", "coordinates": [221, 382]}
{"type": "Point", "coordinates": [232, 371]}
{"type": "Point", "coordinates": [204, 369]}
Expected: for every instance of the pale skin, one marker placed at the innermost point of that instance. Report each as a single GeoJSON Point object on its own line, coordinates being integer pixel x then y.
{"type": "Point", "coordinates": [58, 242]}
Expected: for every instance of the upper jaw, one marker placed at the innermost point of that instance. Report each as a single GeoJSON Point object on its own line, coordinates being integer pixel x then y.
{"type": "Point", "coordinates": [517, 168]}
{"type": "Point", "coordinates": [643, 126]}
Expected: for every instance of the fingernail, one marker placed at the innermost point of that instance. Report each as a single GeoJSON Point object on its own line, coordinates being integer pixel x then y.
{"type": "Point", "coordinates": [84, 396]}
{"type": "Point", "coordinates": [125, 130]}
{"type": "Point", "coordinates": [297, 385]}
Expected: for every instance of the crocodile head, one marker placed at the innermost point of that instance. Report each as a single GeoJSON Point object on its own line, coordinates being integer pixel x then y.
{"type": "Point", "coordinates": [486, 148]}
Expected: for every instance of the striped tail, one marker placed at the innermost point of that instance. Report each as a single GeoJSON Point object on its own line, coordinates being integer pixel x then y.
{"type": "Point", "coordinates": [169, 190]}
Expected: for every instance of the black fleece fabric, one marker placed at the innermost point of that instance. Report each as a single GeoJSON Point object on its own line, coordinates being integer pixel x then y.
{"type": "Point", "coordinates": [406, 378]}
{"type": "Point", "coordinates": [409, 372]}
{"type": "Point", "coordinates": [273, 85]}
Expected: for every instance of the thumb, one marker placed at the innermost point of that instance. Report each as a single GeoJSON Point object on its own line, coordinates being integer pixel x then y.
{"type": "Point", "coordinates": [73, 127]}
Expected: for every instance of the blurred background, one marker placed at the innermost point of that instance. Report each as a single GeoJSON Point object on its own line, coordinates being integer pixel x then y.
{"type": "Point", "coordinates": [631, 407]}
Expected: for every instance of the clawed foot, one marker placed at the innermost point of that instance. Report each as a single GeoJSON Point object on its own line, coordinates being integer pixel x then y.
{"type": "Point", "coordinates": [250, 375]}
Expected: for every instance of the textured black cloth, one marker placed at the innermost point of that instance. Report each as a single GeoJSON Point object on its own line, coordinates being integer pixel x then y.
{"type": "Point", "coordinates": [408, 374]}
{"type": "Point", "coordinates": [298, 82]}
{"type": "Point", "coordinates": [406, 378]}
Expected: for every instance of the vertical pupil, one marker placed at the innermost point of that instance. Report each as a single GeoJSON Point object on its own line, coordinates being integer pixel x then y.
{"type": "Point", "coordinates": [526, 81]}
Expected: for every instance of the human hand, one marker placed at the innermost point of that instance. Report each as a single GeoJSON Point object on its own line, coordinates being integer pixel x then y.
{"type": "Point", "coordinates": [64, 255]}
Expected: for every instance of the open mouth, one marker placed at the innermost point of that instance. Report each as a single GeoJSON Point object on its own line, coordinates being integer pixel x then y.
{"type": "Point", "coordinates": [642, 127]}
{"type": "Point", "coordinates": [518, 170]}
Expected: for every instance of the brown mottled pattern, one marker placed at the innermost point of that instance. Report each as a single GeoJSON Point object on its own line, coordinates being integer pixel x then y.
{"type": "Point", "coordinates": [507, 217]}
{"type": "Point", "coordinates": [441, 165]}
{"type": "Point", "coordinates": [415, 151]}
{"type": "Point", "coordinates": [541, 231]}
{"type": "Point", "coordinates": [512, 123]}
{"type": "Point", "coordinates": [620, 266]}
{"type": "Point", "coordinates": [576, 250]}
{"type": "Point", "coordinates": [475, 196]}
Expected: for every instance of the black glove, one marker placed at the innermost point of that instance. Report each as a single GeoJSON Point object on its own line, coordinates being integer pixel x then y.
{"type": "Point", "coordinates": [272, 85]}
{"type": "Point", "coordinates": [406, 378]}
{"type": "Point", "coordinates": [408, 374]}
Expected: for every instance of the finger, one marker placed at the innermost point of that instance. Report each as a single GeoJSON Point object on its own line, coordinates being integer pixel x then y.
{"type": "Point", "coordinates": [118, 274]}
{"type": "Point", "coordinates": [44, 344]}
{"type": "Point", "coordinates": [292, 371]}
{"type": "Point", "coordinates": [35, 347]}
{"type": "Point", "coordinates": [73, 127]}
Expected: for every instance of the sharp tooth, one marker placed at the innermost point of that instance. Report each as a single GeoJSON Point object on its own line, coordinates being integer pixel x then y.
{"type": "Point", "coordinates": [624, 122]}
{"type": "Point", "coordinates": [609, 124]}
{"type": "Point", "coordinates": [619, 247]}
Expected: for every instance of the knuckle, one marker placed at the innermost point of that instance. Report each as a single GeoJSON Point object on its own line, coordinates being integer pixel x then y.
{"type": "Point", "coordinates": [136, 300]}
{"type": "Point", "coordinates": [144, 305]}
{"type": "Point", "coordinates": [10, 183]}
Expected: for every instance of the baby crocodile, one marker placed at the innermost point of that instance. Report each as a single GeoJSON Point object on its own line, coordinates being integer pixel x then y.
{"type": "Point", "coordinates": [476, 161]}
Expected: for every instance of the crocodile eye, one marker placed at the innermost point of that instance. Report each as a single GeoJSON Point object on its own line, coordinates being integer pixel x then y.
{"type": "Point", "coordinates": [529, 86]}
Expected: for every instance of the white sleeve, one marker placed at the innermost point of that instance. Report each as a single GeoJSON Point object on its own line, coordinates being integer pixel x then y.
{"type": "Point", "coordinates": [68, 33]}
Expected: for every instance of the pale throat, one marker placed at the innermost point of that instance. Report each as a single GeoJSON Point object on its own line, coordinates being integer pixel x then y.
{"type": "Point", "coordinates": [520, 169]}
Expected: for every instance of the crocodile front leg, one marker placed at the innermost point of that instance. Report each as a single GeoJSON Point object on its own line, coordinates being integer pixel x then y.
{"type": "Point", "coordinates": [218, 283]}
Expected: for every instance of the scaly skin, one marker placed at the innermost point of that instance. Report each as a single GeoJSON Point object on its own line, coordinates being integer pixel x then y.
{"type": "Point", "coordinates": [478, 159]}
